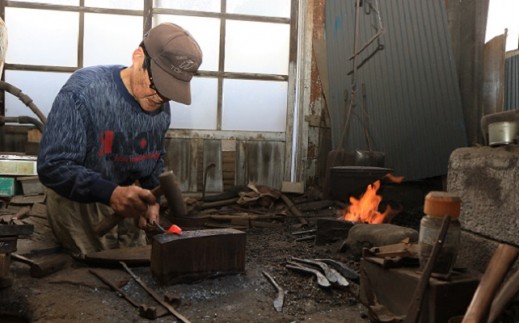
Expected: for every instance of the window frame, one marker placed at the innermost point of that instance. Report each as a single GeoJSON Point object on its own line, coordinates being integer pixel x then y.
{"type": "Point", "coordinates": [148, 13]}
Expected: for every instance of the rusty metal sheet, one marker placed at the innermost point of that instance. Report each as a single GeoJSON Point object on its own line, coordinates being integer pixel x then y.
{"type": "Point", "coordinates": [494, 75]}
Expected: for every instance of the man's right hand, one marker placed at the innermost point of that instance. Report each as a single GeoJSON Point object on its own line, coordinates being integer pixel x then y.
{"type": "Point", "coordinates": [131, 201]}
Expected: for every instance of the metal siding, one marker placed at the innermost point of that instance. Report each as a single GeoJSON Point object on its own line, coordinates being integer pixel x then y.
{"type": "Point", "coordinates": [511, 90]}
{"type": "Point", "coordinates": [413, 100]}
{"type": "Point", "coordinates": [255, 161]}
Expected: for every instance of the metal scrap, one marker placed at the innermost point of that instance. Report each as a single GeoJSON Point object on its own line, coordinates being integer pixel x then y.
{"type": "Point", "coordinates": [154, 295]}
{"type": "Point", "coordinates": [322, 280]}
{"type": "Point", "coordinates": [148, 312]}
{"type": "Point", "coordinates": [342, 268]}
{"type": "Point", "coordinates": [278, 301]}
{"type": "Point", "coordinates": [331, 274]}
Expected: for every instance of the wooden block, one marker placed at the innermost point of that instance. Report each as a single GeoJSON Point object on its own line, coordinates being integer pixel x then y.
{"type": "Point", "coordinates": [198, 254]}
{"type": "Point", "coordinates": [293, 187]}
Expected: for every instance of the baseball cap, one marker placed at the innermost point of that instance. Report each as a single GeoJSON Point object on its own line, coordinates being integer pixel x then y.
{"type": "Point", "coordinates": [175, 58]}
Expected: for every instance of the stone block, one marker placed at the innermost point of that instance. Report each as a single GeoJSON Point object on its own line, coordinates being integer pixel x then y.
{"type": "Point", "coordinates": [475, 251]}
{"type": "Point", "coordinates": [376, 235]}
{"type": "Point", "coordinates": [486, 179]}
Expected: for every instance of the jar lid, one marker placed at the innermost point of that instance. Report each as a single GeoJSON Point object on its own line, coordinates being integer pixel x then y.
{"type": "Point", "coordinates": [439, 204]}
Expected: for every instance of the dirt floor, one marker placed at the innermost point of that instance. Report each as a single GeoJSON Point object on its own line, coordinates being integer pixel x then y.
{"type": "Point", "coordinates": [74, 294]}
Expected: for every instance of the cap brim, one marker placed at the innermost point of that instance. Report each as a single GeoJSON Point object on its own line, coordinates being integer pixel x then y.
{"type": "Point", "coordinates": [170, 87]}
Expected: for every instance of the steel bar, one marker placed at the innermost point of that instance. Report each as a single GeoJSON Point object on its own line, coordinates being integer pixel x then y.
{"type": "Point", "coordinates": [278, 301]}
{"type": "Point", "coordinates": [154, 295]}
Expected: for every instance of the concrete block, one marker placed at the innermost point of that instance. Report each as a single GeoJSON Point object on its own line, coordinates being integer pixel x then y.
{"type": "Point", "coordinates": [486, 179]}
{"type": "Point", "coordinates": [475, 251]}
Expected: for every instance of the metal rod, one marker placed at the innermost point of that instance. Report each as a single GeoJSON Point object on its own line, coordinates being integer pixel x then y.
{"type": "Point", "coordinates": [154, 295]}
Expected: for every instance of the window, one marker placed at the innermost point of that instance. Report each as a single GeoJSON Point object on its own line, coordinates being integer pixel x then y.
{"type": "Point", "coordinates": [244, 78]}
{"type": "Point", "coordinates": [503, 14]}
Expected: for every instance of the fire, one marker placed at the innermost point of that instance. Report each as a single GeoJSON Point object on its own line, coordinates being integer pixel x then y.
{"type": "Point", "coordinates": [365, 210]}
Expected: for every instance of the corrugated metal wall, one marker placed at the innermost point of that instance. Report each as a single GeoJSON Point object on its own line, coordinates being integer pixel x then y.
{"type": "Point", "coordinates": [511, 85]}
{"type": "Point", "coordinates": [224, 163]}
{"type": "Point", "coordinates": [412, 97]}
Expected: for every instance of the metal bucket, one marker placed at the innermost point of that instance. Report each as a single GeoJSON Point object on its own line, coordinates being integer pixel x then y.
{"type": "Point", "coordinates": [503, 133]}
{"type": "Point", "coordinates": [349, 181]}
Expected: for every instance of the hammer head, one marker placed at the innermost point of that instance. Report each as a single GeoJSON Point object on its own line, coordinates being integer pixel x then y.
{"type": "Point", "coordinates": [173, 195]}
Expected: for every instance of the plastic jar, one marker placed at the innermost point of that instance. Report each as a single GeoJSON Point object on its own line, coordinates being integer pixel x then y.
{"type": "Point", "coordinates": [436, 206]}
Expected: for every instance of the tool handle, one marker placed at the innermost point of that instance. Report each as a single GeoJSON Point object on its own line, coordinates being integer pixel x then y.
{"type": "Point", "coordinates": [496, 270]}
{"type": "Point", "coordinates": [107, 224]}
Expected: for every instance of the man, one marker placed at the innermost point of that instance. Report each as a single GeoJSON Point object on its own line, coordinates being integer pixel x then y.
{"type": "Point", "coordinates": [105, 134]}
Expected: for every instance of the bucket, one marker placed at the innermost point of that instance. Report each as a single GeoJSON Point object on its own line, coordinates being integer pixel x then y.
{"type": "Point", "coordinates": [349, 181]}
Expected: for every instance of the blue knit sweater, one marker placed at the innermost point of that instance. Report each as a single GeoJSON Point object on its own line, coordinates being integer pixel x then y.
{"type": "Point", "coordinates": [97, 137]}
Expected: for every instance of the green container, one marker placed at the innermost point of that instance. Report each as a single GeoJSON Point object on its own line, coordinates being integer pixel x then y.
{"type": "Point", "coordinates": [8, 186]}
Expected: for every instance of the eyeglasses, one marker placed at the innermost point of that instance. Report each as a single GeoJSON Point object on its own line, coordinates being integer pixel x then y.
{"type": "Point", "coordinates": [148, 66]}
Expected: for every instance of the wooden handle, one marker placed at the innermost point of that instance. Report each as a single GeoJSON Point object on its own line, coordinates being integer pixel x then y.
{"type": "Point", "coordinates": [493, 276]}
{"type": "Point", "coordinates": [503, 297]}
{"type": "Point", "coordinates": [107, 224]}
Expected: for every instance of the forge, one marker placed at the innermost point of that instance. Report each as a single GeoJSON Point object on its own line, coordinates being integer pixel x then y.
{"type": "Point", "coordinates": [486, 180]}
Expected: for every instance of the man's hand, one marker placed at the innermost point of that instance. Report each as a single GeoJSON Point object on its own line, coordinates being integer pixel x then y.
{"type": "Point", "coordinates": [148, 219]}
{"type": "Point", "coordinates": [134, 201]}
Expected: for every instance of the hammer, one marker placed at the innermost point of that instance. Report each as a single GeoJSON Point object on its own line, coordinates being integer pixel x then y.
{"type": "Point", "coordinates": [167, 187]}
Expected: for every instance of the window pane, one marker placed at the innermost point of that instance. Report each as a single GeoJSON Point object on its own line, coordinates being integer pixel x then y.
{"type": "Point", "coordinates": [60, 2]}
{"type": "Point", "coordinates": [41, 87]}
{"type": "Point", "coordinates": [116, 4]}
{"type": "Point", "coordinates": [111, 39]}
{"type": "Point", "coordinates": [499, 19]}
{"type": "Point", "coordinates": [254, 105]}
{"type": "Point", "coordinates": [197, 5]}
{"type": "Point", "coordinates": [257, 47]}
{"type": "Point", "coordinates": [205, 30]}
{"type": "Point", "coordinates": [271, 8]}
{"type": "Point", "coordinates": [41, 37]}
{"type": "Point", "coordinates": [202, 113]}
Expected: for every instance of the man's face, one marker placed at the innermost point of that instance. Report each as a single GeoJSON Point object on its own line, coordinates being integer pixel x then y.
{"type": "Point", "coordinates": [145, 92]}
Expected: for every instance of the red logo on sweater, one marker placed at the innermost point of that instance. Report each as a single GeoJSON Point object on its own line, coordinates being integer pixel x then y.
{"type": "Point", "coordinates": [129, 147]}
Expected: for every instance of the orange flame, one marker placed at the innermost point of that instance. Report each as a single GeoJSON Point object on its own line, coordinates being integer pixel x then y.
{"type": "Point", "coordinates": [393, 179]}
{"type": "Point", "coordinates": [365, 210]}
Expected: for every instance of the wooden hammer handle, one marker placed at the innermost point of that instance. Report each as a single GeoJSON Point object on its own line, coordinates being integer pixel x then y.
{"type": "Point", "coordinates": [493, 276]}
